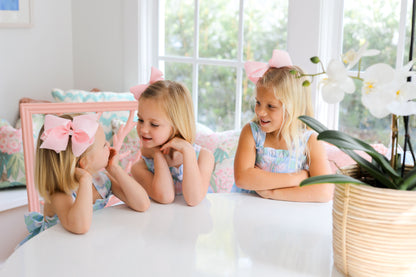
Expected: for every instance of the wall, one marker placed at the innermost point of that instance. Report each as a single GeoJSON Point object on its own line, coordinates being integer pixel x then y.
{"type": "Point", "coordinates": [35, 60]}
{"type": "Point", "coordinates": [105, 43]}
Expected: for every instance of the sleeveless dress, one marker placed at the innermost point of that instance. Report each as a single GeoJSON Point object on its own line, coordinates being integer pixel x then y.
{"type": "Point", "coordinates": [36, 222]}
{"type": "Point", "coordinates": [176, 172]}
{"type": "Point", "coordinates": [277, 160]}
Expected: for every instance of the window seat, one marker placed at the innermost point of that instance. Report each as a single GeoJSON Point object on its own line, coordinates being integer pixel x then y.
{"type": "Point", "coordinates": [12, 198]}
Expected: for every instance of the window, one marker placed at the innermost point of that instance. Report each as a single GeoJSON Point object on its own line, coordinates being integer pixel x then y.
{"type": "Point", "coordinates": [379, 23]}
{"type": "Point", "coordinates": [204, 44]}
{"type": "Point", "coordinates": [210, 40]}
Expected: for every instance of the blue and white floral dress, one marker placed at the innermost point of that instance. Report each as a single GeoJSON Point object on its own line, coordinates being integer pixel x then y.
{"type": "Point", "coordinates": [176, 172]}
{"type": "Point", "coordinates": [277, 160]}
{"type": "Point", "coordinates": [36, 222]}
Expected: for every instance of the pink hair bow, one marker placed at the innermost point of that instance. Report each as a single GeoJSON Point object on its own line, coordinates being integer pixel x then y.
{"type": "Point", "coordinates": [255, 70]}
{"type": "Point", "coordinates": [155, 75]}
{"type": "Point", "coordinates": [82, 130]}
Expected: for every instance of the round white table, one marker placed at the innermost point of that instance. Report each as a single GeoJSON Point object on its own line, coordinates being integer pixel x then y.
{"type": "Point", "coordinates": [231, 234]}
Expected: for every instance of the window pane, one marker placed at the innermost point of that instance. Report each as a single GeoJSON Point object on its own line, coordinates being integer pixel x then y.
{"type": "Point", "coordinates": [179, 27]}
{"type": "Point", "coordinates": [218, 29]}
{"type": "Point", "coordinates": [179, 72]}
{"type": "Point", "coordinates": [376, 22]}
{"type": "Point", "coordinates": [216, 97]}
{"type": "Point", "coordinates": [264, 31]}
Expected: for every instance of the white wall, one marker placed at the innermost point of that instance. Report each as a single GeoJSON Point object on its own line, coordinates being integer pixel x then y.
{"type": "Point", "coordinates": [105, 40]}
{"type": "Point", "coordinates": [35, 60]}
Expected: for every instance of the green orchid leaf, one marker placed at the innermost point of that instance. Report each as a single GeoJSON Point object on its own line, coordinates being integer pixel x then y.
{"type": "Point", "coordinates": [409, 180]}
{"type": "Point", "coordinates": [313, 123]}
{"type": "Point", "coordinates": [344, 141]}
{"type": "Point", "coordinates": [332, 178]}
{"type": "Point", "coordinates": [373, 170]}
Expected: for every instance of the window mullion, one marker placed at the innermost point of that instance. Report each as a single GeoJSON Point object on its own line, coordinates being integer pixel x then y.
{"type": "Point", "coordinates": [239, 69]}
{"type": "Point", "coordinates": [195, 64]}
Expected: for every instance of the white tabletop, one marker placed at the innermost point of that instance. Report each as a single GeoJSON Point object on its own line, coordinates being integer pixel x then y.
{"type": "Point", "coordinates": [232, 234]}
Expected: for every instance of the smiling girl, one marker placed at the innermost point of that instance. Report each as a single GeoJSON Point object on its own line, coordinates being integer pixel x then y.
{"type": "Point", "coordinates": [276, 151]}
{"type": "Point", "coordinates": [171, 163]}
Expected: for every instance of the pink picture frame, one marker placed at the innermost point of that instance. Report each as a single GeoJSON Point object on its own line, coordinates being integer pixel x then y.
{"type": "Point", "coordinates": [28, 109]}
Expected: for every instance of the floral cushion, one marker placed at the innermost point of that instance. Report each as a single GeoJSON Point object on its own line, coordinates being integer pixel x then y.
{"type": "Point", "coordinates": [12, 167]}
{"type": "Point", "coordinates": [224, 146]}
{"type": "Point", "coordinates": [130, 149]}
{"type": "Point", "coordinates": [80, 96]}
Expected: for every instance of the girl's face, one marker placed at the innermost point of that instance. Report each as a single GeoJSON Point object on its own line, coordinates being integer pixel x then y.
{"type": "Point", "coordinates": [98, 153]}
{"type": "Point", "coordinates": [269, 110]}
{"type": "Point", "coordinates": [153, 128]}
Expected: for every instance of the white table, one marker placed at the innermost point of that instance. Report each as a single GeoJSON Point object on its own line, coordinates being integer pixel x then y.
{"type": "Point", "coordinates": [225, 235]}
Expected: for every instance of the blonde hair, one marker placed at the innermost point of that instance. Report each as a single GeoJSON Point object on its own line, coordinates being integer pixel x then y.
{"type": "Point", "coordinates": [296, 100]}
{"type": "Point", "coordinates": [55, 172]}
{"type": "Point", "coordinates": [175, 99]}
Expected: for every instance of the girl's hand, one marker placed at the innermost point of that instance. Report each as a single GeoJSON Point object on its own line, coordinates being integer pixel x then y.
{"type": "Point", "coordinates": [174, 151]}
{"type": "Point", "coordinates": [113, 158]}
{"type": "Point", "coordinates": [150, 152]}
{"type": "Point", "coordinates": [177, 144]}
{"type": "Point", "coordinates": [82, 176]}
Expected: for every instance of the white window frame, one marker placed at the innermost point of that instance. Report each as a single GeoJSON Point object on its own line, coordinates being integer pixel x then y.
{"type": "Point", "coordinates": [314, 29]}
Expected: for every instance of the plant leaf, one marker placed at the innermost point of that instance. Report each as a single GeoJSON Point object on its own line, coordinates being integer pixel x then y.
{"type": "Point", "coordinates": [344, 141]}
{"type": "Point", "coordinates": [409, 180]}
{"type": "Point", "coordinates": [331, 178]}
{"type": "Point", "coordinates": [373, 170]}
{"type": "Point", "coordinates": [313, 123]}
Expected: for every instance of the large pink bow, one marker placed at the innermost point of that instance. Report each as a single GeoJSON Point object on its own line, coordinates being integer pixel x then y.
{"type": "Point", "coordinates": [82, 130]}
{"type": "Point", "coordinates": [155, 75]}
{"type": "Point", "coordinates": [255, 70]}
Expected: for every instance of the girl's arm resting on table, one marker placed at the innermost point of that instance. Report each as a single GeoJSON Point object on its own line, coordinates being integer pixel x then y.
{"type": "Point", "coordinates": [196, 175]}
{"type": "Point", "coordinates": [75, 216]}
{"type": "Point", "coordinates": [127, 189]}
{"type": "Point", "coordinates": [319, 165]}
{"type": "Point", "coordinates": [159, 186]}
{"type": "Point", "coordinates": [248, 176]}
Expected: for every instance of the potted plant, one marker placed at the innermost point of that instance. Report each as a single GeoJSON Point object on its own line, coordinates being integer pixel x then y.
{"type": "Point", "coordinates": [374, 207]}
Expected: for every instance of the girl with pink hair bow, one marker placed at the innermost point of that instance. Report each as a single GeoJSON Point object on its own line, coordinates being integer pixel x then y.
{"type": "Point", "coordinates": [71, 152]}
{"type": "Point", "coordinates": [171, 163]}
{"type": "Point", "coordinates": [276, 151]}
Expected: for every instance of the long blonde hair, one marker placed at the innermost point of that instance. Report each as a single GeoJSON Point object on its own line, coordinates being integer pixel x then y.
{"type": "Point", "coordinates": [296, 100]}
{"type": "Point", "coordinates": [55, 172]}
{"type": "Point", "coordinates": [175, 99]}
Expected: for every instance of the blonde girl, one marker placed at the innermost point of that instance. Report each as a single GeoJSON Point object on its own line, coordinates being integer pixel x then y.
{"type": "Point", "coordinates": [276, 151]}
{"type": "Point", "coordinates": [71, 151]}
{"type": "Point", "coordinates": [171, 163]}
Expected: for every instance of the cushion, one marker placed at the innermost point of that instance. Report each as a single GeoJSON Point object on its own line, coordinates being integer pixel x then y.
{"type": "Point", "coordinates": [12, 167]}
{"type": "Point", "coordinates": [80, 96]}
{"type": "Point", "coordinates": [131, 145]}
{"type": "Point", "coordinates": [224, 146]}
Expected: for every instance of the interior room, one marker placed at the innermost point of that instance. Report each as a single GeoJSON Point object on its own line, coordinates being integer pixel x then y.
{"type": "Point", "coordinates": [96, 50]}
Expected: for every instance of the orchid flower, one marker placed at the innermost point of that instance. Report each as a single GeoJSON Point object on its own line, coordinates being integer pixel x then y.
{"type": "Point", "coordinates": [379, 89]}
{"type": "Point", "coordinates": [337, 83]}
{"type": "Point", "coordinates": [351, 58]}
{"type": "Point", "coordinates": [405, 95]}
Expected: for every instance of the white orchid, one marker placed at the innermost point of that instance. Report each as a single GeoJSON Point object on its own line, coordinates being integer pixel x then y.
{"type": "Point", "coordinates": [352, 57]}
{"type": "Point", "coordinates": [405, 95]}
{"type": "Point", "coordinates": [378, 89]}
{"type": "Point", "coordinates": [337, 83]}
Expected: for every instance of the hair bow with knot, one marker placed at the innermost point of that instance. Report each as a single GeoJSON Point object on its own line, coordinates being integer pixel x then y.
{"type": "Point", "coordinates": [57, 130]}
{"type": "Point", "coordinates": [155, 75]}
{"type": "Point", "coordinates": [255, 70]}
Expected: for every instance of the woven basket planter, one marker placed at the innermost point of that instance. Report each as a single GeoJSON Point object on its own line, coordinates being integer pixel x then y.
{"type": "Point", "coordinates": [374, 230]}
